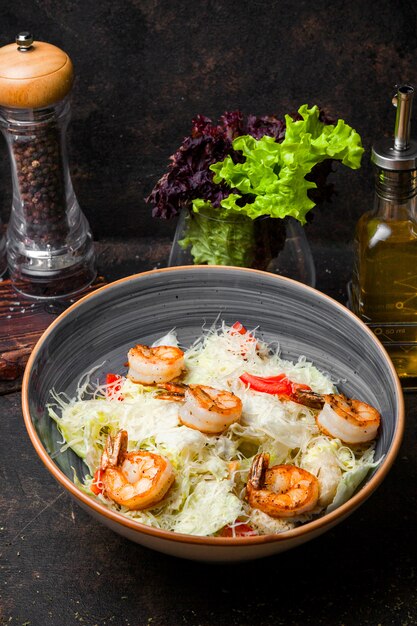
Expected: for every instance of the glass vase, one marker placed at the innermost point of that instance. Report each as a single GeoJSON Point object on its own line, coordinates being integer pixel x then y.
{"type": "Point", "coordinates": [270, 244]}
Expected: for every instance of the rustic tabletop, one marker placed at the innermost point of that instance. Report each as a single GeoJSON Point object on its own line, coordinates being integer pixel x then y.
{"type": "Point", "coordinates": [60, 567]}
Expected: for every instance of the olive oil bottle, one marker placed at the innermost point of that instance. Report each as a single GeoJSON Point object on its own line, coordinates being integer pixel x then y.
{"type": "Point", "coordinates": [384, 283]}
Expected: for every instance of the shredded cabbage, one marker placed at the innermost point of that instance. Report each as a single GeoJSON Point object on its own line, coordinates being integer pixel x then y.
{"type": "Point", "coordinates": [211, 471]}
{"type": "Point", "coordinates": [208, 508]}
{"type": "Point", "coordinates": [170, 339]}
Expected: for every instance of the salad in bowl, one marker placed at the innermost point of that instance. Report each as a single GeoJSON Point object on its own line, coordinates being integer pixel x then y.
{"type": "Point", "coordinates": [224, 438]}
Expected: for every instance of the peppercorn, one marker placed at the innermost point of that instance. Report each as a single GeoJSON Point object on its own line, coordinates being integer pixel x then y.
{"type": "Point", "coordinates": [41, 184]}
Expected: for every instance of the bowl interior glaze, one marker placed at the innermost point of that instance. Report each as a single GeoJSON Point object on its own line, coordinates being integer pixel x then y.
{"type": "Point", "coordinates": [99, 330]}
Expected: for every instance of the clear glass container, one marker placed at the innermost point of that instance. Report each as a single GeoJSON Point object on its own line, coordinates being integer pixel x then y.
{"type": "Point", "coordinates": [384, 282]}
{"type": "Point", "coordinates": [50, 248]}
{"type": "Point", "coordinates": [49, 244]}
{"type": "Point", "coordinates": [269, 244]}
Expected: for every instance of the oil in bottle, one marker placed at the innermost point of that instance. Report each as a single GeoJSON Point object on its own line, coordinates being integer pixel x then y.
{"type": "Point", "coordinates": [384, 283]}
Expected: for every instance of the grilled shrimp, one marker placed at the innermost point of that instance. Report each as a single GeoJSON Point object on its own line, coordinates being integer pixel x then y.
{"type": "Point", "coordinates": [136, 480]}
{"type": "Point", "coordinates": [204, 408]}
{"type": "Point", "coordinates": [210, 410]}
{"type": "Point", "coordinates": [155, 365]}
{"type": "Point", "coordinates": [281, 490]}
{"type": "Point", "coordinates": [352, 421]}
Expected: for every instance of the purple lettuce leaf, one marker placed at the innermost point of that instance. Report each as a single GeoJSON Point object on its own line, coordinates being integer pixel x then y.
{"type": "Point", "coordinates": [189, 176]}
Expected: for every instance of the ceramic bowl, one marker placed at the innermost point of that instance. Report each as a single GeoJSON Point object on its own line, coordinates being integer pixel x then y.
{"type": "Point", "coordinates": [100, 328]}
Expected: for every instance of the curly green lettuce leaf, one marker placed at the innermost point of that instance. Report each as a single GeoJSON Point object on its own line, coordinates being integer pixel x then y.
{"type": "Point", "coordinates": [217, 237]}
{"type": "Point", "coordinates": [273, 173]}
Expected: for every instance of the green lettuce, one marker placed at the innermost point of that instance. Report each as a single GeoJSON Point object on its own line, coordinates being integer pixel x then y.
{"type": "Point", "coordinates": [218, 237]}
{"type": "Point", "coordinates": [351, 480]}
{"type": "Point", "coordinates": [273, 173]}
{"type": "Point", "coordinates": [270, 182]}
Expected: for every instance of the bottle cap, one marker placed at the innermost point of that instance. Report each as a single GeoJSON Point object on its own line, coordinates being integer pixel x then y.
{"type": "Point", "coordinates": [33, 74]}
{"type": "Point", "coordinates": [400, 153]}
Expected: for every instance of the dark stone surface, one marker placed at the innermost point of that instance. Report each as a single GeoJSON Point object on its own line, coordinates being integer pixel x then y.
{"type": "Point", "coordinates": [146, 67]}
{"type": "Point", "coordinates": [60, 567]}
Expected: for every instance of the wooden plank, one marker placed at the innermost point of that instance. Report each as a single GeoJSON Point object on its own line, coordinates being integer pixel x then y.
{"type": "Point", "coordinates": [22, 322]}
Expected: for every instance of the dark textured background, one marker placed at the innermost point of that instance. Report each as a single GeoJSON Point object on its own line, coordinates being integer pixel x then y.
{"type": "Point", "coordinates": [146, 67]}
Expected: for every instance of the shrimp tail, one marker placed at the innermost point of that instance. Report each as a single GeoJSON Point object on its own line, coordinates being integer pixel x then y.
{"type": "Point", "coordinates": [174, 387]}
{"type": "Point", "coordinates": [115, 448]}
{"type": "Point", "coordinates": [171, 397]}
{"type": "Point", "coordinates": [256, 477]}
{"type": "Point", "coordinates": [308, 398]}
{"type": "Point", "coordinates": [172, 391]}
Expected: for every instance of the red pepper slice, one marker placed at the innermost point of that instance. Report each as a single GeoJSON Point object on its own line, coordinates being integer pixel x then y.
{"type": "Point", "coordinates": [275, 385]}
{"type": "Point", "coordinates": [269, 379]}
{"type": "Point", "coordinates": [114, 385]}
{"type": "Point", "coordinates": [242, 330]}
{"type": "Point", "coordinates": [97, 486]}
{"type": "Point", "coordinates": [239, 328]}
{"type": "Point", "coordinates": [241, 530]}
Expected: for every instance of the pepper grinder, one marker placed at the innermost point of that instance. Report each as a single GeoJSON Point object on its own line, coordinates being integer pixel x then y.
{"type": "Point", "coordinates": [384, 283]}
{"type": "Point", "coordinates": [49, 244]}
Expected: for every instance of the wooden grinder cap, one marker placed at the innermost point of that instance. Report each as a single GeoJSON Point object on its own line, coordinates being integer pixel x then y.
{"type": "Point", "coordinates": [33, 74]}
